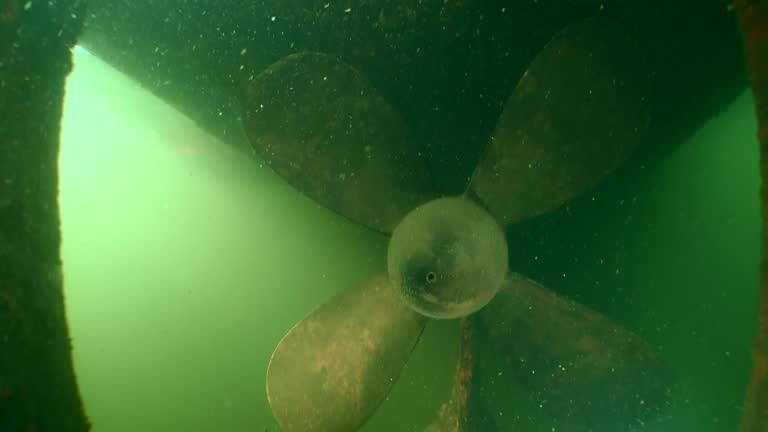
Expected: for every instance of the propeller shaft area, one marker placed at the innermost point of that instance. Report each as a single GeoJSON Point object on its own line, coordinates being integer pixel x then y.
{"type": "Point", "coordinates": [447, 258]}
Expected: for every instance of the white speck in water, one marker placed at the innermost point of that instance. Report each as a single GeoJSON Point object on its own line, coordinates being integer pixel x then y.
{"type": "Point", "coordinates": [274, 18]}
{"type": "Point", "coordinates": [347, 10]}
{"type": "Point", "coordinates": [243, 51]}
{"type": "Point", "coordinates": [27, 5]}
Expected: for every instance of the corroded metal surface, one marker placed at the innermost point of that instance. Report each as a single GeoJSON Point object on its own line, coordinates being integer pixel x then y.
{"type": "Point", "coordinates": [546, 363]}
{"type": "Point", "coordinates": [753, 20]}
{"type": "Point", "coordinates": [333, 369]}
{"type": "Point", "coordinates": [452, 416]}
{"type": "Point", "coordinates": [319, 124]}
{"type": "Point", "coordinates": [575, 115]}
{"type": "Point", "coordinates": [464, 411]}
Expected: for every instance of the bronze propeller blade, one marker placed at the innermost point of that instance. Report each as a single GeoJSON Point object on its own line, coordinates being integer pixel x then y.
{"type": "Point", "coordinates": [324, 128]}
{"type": "Point", "coordinates": [575, 115]}
{"type": "Point", "coordinates": [532, 360]}
{"type": "Point", "coordinates": [333, 369]}
{"type": "Point", "coordinates": [542, 362]}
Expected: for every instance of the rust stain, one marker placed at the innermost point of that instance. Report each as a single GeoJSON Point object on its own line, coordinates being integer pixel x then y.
{"type": "Point", "coordinates": [753, 19]}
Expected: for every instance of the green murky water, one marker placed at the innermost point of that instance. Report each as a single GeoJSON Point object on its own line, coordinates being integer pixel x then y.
{"type": "Point", "coordinates": [186, 262]}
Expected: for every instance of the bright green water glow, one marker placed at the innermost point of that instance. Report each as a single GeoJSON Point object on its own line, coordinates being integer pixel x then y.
{"type": "Point", "coordinates": [673, 254]}
{"type": "Point", "coordinates": [185, 263]}
{"type": "Point", "coordinates": [694, 248]}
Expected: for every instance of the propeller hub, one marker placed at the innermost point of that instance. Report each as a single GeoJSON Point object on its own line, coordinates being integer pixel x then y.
{"type": "Point", "coordinates": [447, 258]}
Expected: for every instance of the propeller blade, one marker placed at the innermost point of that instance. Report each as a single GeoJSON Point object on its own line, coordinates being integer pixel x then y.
{"type": "Point", "coordinates": [576, 114]}
{"type": "Point", "coordinates": [334, 368]}
{"type": "Point", "coordinates": [546, 363]}
{"type": "Point", "coordinates": [325, 129]}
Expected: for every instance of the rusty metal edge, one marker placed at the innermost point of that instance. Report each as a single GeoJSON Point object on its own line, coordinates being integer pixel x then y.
{"type": "Point", "coordinates": [753, 21]}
